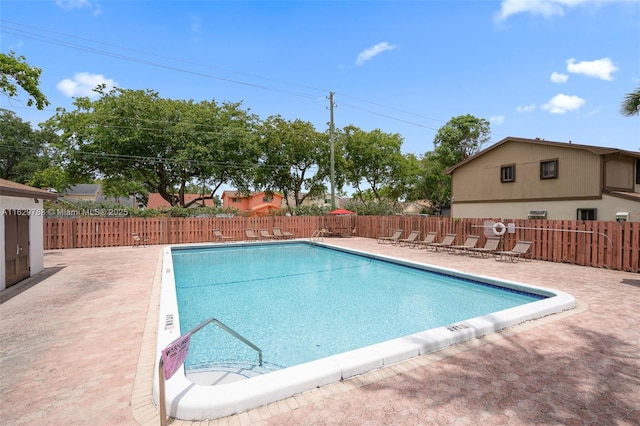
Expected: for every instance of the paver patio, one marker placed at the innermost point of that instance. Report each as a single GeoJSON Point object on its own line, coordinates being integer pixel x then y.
{"type": "Point", "coordinates": [77, 346]}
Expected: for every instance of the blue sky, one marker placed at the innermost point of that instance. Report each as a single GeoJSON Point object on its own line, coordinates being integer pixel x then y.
{"type": "Point", "coordinates": [554, 69]}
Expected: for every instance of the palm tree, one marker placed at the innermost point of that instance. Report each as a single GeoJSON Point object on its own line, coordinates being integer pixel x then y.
{"type": "Point", "coordinates": [631, 104]}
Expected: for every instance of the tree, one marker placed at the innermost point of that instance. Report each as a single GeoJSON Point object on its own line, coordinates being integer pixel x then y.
{"type": "Point", "coordinates": [631, 104]}
{"type": "Point", "coordinates": [460, 138]}
{"type": "Point", "coordinates": [23, 151]}
{"type": "Point", "coordinates": [432, 184]}
{"type": "Point", "coordinates": [374, 158]}
{"type": "Point", "coordinates": [163, 144]}
{"type": "Point", "coordinates": [15, 73]}
{"type": "Point", "coordinates": [291, 150]}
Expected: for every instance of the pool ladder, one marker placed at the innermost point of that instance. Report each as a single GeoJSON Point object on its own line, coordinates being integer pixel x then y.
{"type": "Point", "coordinates": [162, 379]}
{"type": "Point", "coordinates": [318, 235]}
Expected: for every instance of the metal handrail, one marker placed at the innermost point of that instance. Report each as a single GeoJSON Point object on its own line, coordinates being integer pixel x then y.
{"type": "Point", "coordinates": [318, 235]}
{"type": "Point", "coordinates": [161, 384]}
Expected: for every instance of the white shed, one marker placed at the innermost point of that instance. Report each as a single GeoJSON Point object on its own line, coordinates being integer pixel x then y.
{"type": "Point", "coordinates": [22, 230]}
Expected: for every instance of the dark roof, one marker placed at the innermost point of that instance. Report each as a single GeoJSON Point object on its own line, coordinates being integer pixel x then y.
{"type": "Point", "coordinates": [14, 189]}
{"type": "Point", "coordinates": [598, 150]}
{"type": "Point", "coordinates": [83, 189]}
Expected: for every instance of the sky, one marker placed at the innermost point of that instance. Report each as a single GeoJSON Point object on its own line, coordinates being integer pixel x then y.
{"type": "Point", "coordinates": [553, 69]}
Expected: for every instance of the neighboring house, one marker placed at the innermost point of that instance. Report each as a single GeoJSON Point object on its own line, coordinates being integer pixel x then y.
{"type": "Point", "coordinates": [318, 201]}
{"type": "Point", "coordinates": [83, 191]}
{"type": "Point", "coordinates": [417, 207]}
{"type": "Point", "coordinates": [256, 204]}
{"type": "Point", "coordinates": [93, 192]}
{"type": "Point", "coordinates": [156, 201]}
{"type": "Point", "coordinates": [22, 231]}
{"type": "Point", "coordinates": [521, 178]}
{"type": "Point", "coordinates": [128, 201]}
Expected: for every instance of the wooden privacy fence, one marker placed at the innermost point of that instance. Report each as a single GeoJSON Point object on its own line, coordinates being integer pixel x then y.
{"type": "Point", "coordinates": [612, 245]}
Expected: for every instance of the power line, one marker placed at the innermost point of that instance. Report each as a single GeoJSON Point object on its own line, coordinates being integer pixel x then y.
{"type": "Point", "coordinates": [45, 39]}
{"type": "Point", "coordinates": [159, 160]}
{"type": "Point", "coordinates": [162, 56]}
{"type": "Point", "coordinates": [21, 33]}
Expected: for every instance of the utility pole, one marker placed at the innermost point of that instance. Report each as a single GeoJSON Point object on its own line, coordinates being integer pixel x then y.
{"type": "Point", "coordinates": [332, 159]}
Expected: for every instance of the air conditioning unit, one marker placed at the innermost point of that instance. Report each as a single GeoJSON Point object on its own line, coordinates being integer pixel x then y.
{"type": "Point", "coordinates": [537, 214]}
{"type": "Point", "coordinates": [622, 217]}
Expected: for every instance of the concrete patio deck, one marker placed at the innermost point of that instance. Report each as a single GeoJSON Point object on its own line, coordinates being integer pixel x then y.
{"type": "Point", "coordinates": [77, 347]}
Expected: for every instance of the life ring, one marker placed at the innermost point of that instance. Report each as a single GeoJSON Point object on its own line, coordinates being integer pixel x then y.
{"type": "Point", "coordinates": [499, 229]}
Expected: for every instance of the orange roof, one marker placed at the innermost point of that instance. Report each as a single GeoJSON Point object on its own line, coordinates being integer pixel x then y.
{"type": "Point", "coordinates": [264, 206]}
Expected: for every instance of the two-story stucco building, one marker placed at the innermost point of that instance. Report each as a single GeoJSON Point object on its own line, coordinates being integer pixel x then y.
{"type": "Point", "coordinates": [521, 178]}
{"type": "Point", "coordinates": [254, 204]}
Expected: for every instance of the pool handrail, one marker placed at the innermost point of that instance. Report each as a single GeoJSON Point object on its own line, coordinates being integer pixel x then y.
{"type": "Point", "coordinates": [161, 382]}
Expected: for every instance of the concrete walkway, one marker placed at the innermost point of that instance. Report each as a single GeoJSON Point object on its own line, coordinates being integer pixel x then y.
{"type": "Point", "coordinates": [77, 346]}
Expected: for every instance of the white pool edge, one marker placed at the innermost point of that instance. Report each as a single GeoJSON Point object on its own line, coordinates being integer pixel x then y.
{"type": "Point", "coordinates": [188, 401]}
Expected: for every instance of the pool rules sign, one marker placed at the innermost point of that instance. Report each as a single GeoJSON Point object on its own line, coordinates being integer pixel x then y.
{"type": "Point", "coordinates": [174, 355]}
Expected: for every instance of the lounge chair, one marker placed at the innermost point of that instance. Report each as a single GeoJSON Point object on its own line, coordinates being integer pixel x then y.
{"type": "Point", "coordinates": [519, 251]}
{"type": "Point", "coordinates": [391, 239]}
{"type": "Point", "coordinates": [490, 247]}
{"type": "Point", "coordinates": [407, 241]}
{"type": "Point", "coordinates": [266, 235]}
{"type": "Point", "coordinates": [251, 235]}
{"type": "Point", "coordinates": [447, 241]}
{"type": "Point", "coordinates": [282, 234]}
{"type": "Point", "coordinates": [428, 239]}
{"type": "Point", "coordinates": [219, 236]}
{"type": "Point", "coordinates": [138, 240]}
{"type": "Point", "coordinates": [470, 242]}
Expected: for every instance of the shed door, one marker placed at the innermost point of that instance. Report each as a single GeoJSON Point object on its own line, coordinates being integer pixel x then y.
{"type": "Point", "coordinates": [16, 247]}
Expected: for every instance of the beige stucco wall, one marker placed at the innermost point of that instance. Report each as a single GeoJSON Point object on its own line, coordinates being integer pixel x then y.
{"type": "Point", "coordinates": [556, 210]}
{"type": "Point", "coordinates": [36, 233]}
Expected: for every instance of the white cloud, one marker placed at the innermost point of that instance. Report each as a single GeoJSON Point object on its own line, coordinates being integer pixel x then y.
{"type": "Point", "coordinates": [600, 68]}
{"type": "Point", "coordinates": [556, 77]}
{"type": "Point", "coordinates": [83, 84]}
{"type": "Point", "coordinates": [374, 51]}
{"type": "Point", "coordinates": [561, 103]}
{"type": "Point", "coordinates": [80, 4]}
{"type": "Point", "coordinates": [73, 4]}
{"type": "Point", "coordinates": [497, 119]}
{"type": "Point", "coordinates": [545, 8]}
{"type": "Point", "coordinates": [526, 108]}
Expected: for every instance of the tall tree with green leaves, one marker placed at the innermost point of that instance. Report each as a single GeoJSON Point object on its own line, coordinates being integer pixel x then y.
{"type": "Point", "coordinates": [374, 164]}
{"type": "Point", "coordinates": [631, 104]}
{"type": "Point", "coordinates": [460, 138]}
{"type": "Point", "coordinates": [16, 73]}
{"type": "Point", "coordinates": [291, 154]}
{"type": "Point", "coordinates": [163, 144]}
{"type": "Point", "coordinates": [23, 150]}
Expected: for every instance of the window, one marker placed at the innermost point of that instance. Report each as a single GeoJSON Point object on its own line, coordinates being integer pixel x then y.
{"type": "Point", "coordinates": [549, 169]}
{"type": "Point", "coordinates": [508, 173]}
{"type": "Point", "coordinates": [235, 200]}
{"type": "Point", "coordinates": [587, 214]}
{"type": "Point", "coordinates": [638, 172]}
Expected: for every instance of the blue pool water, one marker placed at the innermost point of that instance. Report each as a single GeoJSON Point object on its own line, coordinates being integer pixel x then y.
{"type": "Point", "coordinates": [301, 302]}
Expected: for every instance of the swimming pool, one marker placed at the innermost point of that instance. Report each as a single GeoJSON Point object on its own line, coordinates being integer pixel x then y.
{"type": "Point", "coordinates": [325, 363]}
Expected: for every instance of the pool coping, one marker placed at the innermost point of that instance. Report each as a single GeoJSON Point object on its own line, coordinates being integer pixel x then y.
{"type": "Point", "coordinates": [188, 401]}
